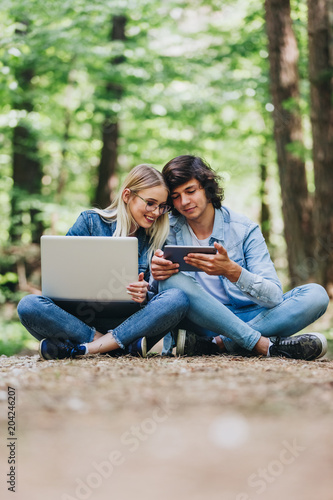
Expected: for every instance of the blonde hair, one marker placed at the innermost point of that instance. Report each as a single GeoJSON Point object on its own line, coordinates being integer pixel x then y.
{"type": "Point", "coordinates": [140, 177]}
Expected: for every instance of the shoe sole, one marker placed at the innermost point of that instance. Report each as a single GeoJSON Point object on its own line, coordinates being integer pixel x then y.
{"type": "Point", "coordinates": [40, 350]}
{"type": "Point", "coordinates": [323, 340]}
{"type": "Point", "coordinates": [180, 348]}
{"type": "Point", "coordinates": [144, 347]}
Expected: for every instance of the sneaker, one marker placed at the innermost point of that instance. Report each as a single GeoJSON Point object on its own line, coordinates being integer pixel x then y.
{"type": "Point", "coordinates": [308, 346]}
{"type": "Point", "coordinates": [138, 348]}
{"type": "Point", "coordinates": [180, 344]}
{"type": "Point", "coordinates": [167, 355]}
{"type": "Point", "coordinates": [60, 350]}
{"type": "Point", "coordinates": [116, 353]}
{"type": "Point", "coordinates": [190, 344]}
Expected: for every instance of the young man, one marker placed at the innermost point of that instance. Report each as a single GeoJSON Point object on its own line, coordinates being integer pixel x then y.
{"type": "Point", "coordinates": [237, 293]}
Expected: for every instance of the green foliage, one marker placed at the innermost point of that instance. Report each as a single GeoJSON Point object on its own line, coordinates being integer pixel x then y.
{"type": "Point", "coordinates": [194, 79]}
{"type": "Point", "coordinates": [14, 338]}
{"type": "Point", "coordinates": [299, 150]}
{"type": "Point", "coordinates": [7, 281]}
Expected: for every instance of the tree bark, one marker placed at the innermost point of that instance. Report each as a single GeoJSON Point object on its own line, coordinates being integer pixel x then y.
{"type": "Point", "coordinates": [321, 87]}
{"type": "Point", "coordinates": [27, 168]}
{"type": "Point", "coordinates": [265, 216]}
{"type": "Point", "coordinates": [27, 173]}
{"type": "Point", "coordinates": [110, 133]}
{"type": "Point", "coordinates": [296, 203]}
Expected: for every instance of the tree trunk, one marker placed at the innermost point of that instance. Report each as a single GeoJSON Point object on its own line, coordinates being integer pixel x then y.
{"type": "Point", "coordinates": [110, 134]}
{"type": "Point", "coordinates": [27, 173]}
{"type": "Point", "coordinates": [321, 85]}
{"type": "Point", "coordinates": [296, 204]}
{"type": "Point", "coordinates": [27, 168]}
{"type": "Point", "coordinates": [64, 166]}
{"type": "Point", "coordinates": [265, 218]}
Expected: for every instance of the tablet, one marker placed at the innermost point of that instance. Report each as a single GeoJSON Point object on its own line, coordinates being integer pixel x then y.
{"type": "Point", "coordinates": [176, 254]}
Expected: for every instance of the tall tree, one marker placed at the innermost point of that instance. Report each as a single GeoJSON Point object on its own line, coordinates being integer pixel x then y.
{"type": "Point", "coordinates": [321, 84]}
{"type": "Point", "coordinates": [265, 218]}
{"type": "Point", "coordinates": [296, 204]}
{"type": "Point", "coordinates": [27, 168]}
{"type": "Point", "coordinates": [108, 162]}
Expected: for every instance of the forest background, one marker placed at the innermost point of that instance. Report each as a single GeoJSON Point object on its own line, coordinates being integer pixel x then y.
{"type": "Point", "coordinates": [90, 89]}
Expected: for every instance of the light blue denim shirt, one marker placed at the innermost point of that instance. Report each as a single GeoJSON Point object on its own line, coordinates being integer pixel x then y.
{"type": "Point", "coordinates": [90, 223]}
{"type": "Point", "coordinates": [245, 244]}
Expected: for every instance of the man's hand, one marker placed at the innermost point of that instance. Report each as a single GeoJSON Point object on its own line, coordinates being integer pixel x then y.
{"type": "Point", "coordinates": [218, 264]}
{"type": "Point", "coordinates": [138, 289]}
{"type": "Point", "coordinates": [161, 268]}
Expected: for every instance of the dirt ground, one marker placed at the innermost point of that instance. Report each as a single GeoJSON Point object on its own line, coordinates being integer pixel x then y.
{"type": "Point", "coordinates": [215, 428]}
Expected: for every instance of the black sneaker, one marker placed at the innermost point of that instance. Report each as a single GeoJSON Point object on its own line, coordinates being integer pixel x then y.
{"type": "Point", "coordinates": [308, 346]}
{"type": "Point", "coordinates": [60, 350]}
{"type": "Point", "coordinates": [116, 353]}
{"type": "Point", "coordinates": [190, 344]}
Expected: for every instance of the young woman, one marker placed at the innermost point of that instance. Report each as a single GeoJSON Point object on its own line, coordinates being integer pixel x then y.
{"type": "Point", "coordinates": [139, 210]}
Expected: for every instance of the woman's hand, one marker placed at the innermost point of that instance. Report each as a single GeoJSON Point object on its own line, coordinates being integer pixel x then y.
{"type": "Point", "coordinates": [138, 289]}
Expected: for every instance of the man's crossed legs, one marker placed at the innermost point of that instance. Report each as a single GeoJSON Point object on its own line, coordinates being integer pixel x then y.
{"type": "Point", "coordinates": [240, 329]}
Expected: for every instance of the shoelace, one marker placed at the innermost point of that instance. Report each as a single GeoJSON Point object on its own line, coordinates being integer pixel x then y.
{"type": "Point", "coordinates": [287, 342]}
{"type": "Point", "coordinates": [279, 343]}
{"type": "Point", "coordinates": [74, 352]}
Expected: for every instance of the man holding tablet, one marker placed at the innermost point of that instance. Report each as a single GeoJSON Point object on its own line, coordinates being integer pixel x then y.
{"type": "Point", "coordinates": [236, 299]}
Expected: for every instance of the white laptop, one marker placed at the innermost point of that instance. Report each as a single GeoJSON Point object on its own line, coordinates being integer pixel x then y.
{"type": "Point", "coordinates": [88, 268]}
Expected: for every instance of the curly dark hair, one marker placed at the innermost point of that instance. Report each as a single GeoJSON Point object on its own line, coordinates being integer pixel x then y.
{"type": "Point", "coordinates": [183, 168]}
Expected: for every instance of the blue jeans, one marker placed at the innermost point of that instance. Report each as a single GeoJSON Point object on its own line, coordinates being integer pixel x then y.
{"type": "Point", "coordinates": [242, 327]}
{"type": "Point", "coordinates": [44, 319]}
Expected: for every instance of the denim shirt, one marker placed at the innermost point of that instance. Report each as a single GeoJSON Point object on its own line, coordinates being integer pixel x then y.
{"type": "Point", "coordinates": [90, 223]}
{"type": "Point", "coordinates": [245, 244]}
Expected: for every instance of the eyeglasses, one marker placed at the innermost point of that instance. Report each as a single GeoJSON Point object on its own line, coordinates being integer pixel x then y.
{"type": "Point", "coordinates": [151, 206]}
